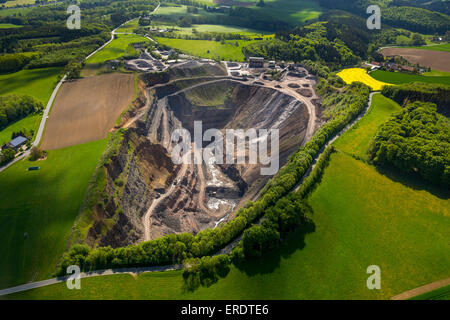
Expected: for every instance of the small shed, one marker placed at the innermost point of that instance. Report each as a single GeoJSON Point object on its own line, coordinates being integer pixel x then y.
{"type": "Point", "coordinates": [17, 142]}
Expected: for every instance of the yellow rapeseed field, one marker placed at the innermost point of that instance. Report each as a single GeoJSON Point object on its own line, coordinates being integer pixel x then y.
{"type": "Point", "coordinates": [357, 74]}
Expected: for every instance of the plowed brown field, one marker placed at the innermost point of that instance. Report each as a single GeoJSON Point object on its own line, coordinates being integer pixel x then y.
{"type": "Point", "coordinates": [85, 110]}
{"type": "Point", "coordinates": [437, 60]}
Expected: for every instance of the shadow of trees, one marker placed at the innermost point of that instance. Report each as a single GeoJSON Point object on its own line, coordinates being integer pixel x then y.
{"type": "Point", "coordinates": [268, 263]}
{"type": "Point", "coordinates": [413, 181]}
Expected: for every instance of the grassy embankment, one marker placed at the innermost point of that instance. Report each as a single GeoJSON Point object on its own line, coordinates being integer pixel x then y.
{"type": "Point", "coordinates": [361, 217]}
{"type": "Point", "coordinates": [353, 142]}
{"type": "Point", "coordinates": [43, 204]}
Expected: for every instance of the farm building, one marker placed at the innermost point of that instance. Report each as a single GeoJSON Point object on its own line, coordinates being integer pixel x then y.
{"type": "Point", "coordinates": [256, 62]}
{"type": "Point", "coordinates": [17, 142]}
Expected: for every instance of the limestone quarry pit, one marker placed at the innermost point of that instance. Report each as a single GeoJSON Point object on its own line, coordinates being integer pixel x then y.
{"type": "Point", "coordinates": [159, 197]}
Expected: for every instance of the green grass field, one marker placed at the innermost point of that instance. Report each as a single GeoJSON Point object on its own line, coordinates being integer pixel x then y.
{"type": "Point", "coordinates": [11, 11]}
{"type": "Point", "coordinates": [8, 25]}
{"type": "Point", "coordinates": [438, 294]}
{"type": "Point", "coordinates": [436, 73]}
{"type": "Point", "coordinates": [356, 140]}
{"type": "Point", "coordinates": [129, 27]}
{"type": "Point", "coordinates": [208, 49]}
{"type": "Point", "coordinates": [14, 3]}
{"type": "Point", "coordinates": [215, 28]}
{"type": "Point", "coordinates": [361, 217]}
{"type": "Point", "coordinates": [399, 78]}
{"type": "Point", "coordinates": [38, 83]}
{"type": "Point", "coordinates": [438, 47]}
{"type": "Point", "coordinates": [44, 204]}
{"type": "Point", "coordinates": [293, 11]}
{"type": "Point", "coordinates": [30, 122]}
{"type": "Point", "coordinates": [176, 12]}
{"type": "Point", "coordinates": [116, 48]}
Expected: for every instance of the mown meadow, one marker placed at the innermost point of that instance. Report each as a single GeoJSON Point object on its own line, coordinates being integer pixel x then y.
{"type": "Point", "coordinates": [43, 205]}
{"type": "Point", "coordinates": [399, 77]}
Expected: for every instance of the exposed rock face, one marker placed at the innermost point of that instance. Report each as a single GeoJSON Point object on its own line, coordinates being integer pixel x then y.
{"type": "Point", "coordinates": [144, 167]}
{"type": "Point", "coordinates": [191, 197]}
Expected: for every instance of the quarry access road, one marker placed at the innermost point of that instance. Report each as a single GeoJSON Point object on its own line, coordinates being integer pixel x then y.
{"type": "Point", "coordinates": [309, 105]}
{"type": "Point", "coordinates": [146, 219]}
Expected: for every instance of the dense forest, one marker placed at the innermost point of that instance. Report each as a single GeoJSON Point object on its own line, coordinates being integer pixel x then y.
{"type": "Point", "coordinates": [430, 92]}
{"type": "Point", "coordinates": [416, 141]}
{"type": "Point", "coordinates": [413, 15]}
{"type": "Point", "coordinates": [325, 42]}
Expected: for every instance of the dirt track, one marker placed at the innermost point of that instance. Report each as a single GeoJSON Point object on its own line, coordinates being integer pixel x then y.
{"type": "Point", "coordinates": [437, 60]}
{"type": "Point", "coordinates": [421, 290]}
{"type": "Point", "coordinates": [85, 110]}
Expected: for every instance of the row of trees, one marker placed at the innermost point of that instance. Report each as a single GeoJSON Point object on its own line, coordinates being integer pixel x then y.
{"type": "Point", "coordinates": [15, 107]}
{"type": "Point", "coordinates": [15, 61]}
{"type": "Point", "coordinates": [438, 94]}
{"type": "Point", "coordinates": [6, 156]}
{"type": "Point", "coordinates": [416, 141]}
{"type": "Point", "coordinates": [286, 215]}
{"type": "Point", "coordinates": [205, 271]}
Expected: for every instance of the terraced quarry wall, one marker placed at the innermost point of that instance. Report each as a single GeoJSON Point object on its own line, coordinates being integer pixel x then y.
{"type": "Point", "coordinates": [150, 197]}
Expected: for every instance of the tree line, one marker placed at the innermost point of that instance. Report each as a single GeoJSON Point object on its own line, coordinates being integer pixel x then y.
{"type": "Point", "coordinates": [415, 141]}
{"type": "Point", "coordinates": [436, 93]}
{"type": "Point", "coordinates": [15, 107]}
